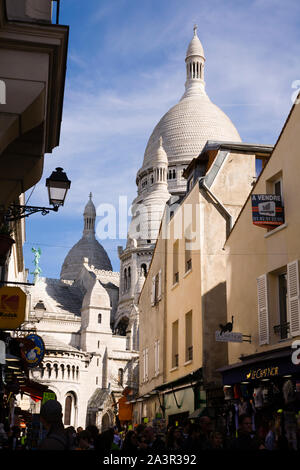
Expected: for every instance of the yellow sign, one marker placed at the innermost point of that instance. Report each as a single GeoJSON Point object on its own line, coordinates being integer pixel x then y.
{"type": "Point", "coordinates": [262, 373]}
{"type": "Point", "coordinates": [12, 307]}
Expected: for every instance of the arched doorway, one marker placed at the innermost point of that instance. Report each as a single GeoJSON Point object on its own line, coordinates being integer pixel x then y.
{"type": "Point", "coordinates": [70, 409]}
{"type": "Point", "coordinates": [105, 422]}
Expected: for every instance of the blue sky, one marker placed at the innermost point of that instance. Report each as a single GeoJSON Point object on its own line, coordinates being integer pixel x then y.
{"type": "Point", "coordinates": [126, 68]}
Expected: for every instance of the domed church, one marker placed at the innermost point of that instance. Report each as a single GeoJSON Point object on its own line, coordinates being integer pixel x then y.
{"type": "Point", "coordinates": [179, 137]}
{"type": "Point", "coordinates": [87, 365]}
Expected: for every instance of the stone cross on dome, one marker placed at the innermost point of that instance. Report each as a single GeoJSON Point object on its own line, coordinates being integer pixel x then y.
{"type": "Point", "coordinates": [195, 29]}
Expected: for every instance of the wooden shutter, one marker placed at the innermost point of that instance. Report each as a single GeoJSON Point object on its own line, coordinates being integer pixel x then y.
{"type": "Point", "coordinates": [146, 363]}
{"type": "Point", "coordinates": [293, 297]}
{"type": "Point", "coordinates": [153, 291]}
{"type": "Point", "coordinates": [263, 310]}
{"type": "Point", "coordinates": [159, 284]}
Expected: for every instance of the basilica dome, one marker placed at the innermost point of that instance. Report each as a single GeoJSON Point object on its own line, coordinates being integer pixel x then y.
{"type": "Point", "coordinates": [187, 126]}
{"type": "Point", "coordinates": [87, 247]}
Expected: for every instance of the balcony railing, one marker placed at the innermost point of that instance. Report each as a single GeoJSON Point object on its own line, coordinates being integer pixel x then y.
{"type": "Point", "coordinates": [189, 353]}
{"type": "Point", "coordinates": [176, 360]}
{"type": "Point", "coordinates": [282, 330]}
{"type": "Point", "coordinates": [188, 265]}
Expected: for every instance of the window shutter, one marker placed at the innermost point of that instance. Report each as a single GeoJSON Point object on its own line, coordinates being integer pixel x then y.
{"type": "Point", "coordinates": [159, 284]}
{"type": "Point", "coordinates": [153, 291]}
{"type": "Point", "coordinates": [146, 354]}
{"type": "Point", "coordinates": [293, 297]}
{"type": "Point", "coordinates": [144, 365]}
{"type": "Point", "coordinates": [263, 310]}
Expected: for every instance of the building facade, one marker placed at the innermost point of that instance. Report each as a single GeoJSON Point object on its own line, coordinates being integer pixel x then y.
{"type": "Point", "coordinates": [86, 364]}
{"type": "Point", "coordinates": [183, 301]}
{"type": "Point", "coordinates": [263, 290]}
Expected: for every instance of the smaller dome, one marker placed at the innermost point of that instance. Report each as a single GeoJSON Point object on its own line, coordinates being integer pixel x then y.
{"type": "Point", "coordinates": [90, 210]}
{"type": "Point", "coordinates": [160, 155]}
{"type": "Point", "coordinates": [195, 46]}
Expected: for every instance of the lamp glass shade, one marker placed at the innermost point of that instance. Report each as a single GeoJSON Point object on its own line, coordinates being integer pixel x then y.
{"type": "Point", "coordinates": [58, 185]}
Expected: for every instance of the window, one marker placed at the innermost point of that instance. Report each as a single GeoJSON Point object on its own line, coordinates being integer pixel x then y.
{"type": "Point", "coordinates": [175, 356]}
{"type": "Point", "coordinates": [120, 377]}
{"type": "Point", "coordinates": [144, 269]}
{"type": "Point", "coordinates": [99, 318]}
{"type": "Point", "coordinates": [125, 280]}
{"type": "Point", "coordinates": [145, 364]}
{"type": "Point", "coordinates": [282, 294]}
{"type": "Point", "coordinates": [156, 357]}
{"type": "Point", "coordinates": [188, 255]}
{"type": "Point", "coordinates": [96, 380]}
{"type": "Point", "coordinates": [129, 278]}
{"type": "Point", "coordinates": [175, 262]}
{"type": "Point", "coordinates": [68, 408]}
{"type": "Point", "coordinates": [98, 344]}
{"type": "Point", "coordinates": [188, 336]}
{"type": "Point", "coordinates": [156, 288]}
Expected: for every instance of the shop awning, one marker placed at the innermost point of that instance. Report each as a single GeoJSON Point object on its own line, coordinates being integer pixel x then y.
{"type": "Point", "coordinates": [34, 389]}
{"type": "Point", "coordinates": [190, 379]}
{"type": "Point", "coordinates": [268, 365]}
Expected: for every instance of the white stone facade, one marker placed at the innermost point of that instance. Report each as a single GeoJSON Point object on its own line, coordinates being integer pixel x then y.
{"type": "Point", "coordinates": [86, 364]}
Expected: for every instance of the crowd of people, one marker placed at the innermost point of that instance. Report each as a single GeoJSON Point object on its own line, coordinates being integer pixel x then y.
{"type": "Point", "coordinates": [190, 438]}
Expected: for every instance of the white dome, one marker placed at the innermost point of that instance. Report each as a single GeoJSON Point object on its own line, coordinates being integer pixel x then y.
{"type": "Point", "coordinates": [187, 126]}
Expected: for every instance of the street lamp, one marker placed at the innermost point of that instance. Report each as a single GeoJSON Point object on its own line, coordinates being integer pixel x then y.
{"type": "Point", "coordinates": [58, 185]}
{"type": "Point", "coordinates": [39, 310]}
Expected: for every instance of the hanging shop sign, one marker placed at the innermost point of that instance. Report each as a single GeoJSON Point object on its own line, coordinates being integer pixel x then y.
{"type": "Point", "coordinates": [229, 337]}
{"type": "Point", "coordinates": [12, 307]}
{"type": "Point", "coordinates": [267, 210]}
{"type": "Point", "coordinates": [35, 355]}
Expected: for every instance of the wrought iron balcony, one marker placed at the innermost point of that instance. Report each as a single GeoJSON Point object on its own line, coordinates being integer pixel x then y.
{"type": "Point", "coordinates": [189, 353]}
{"type": "Point", "coordinates": [282, 330]}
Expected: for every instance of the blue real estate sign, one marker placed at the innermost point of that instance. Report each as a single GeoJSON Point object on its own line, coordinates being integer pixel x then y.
{"type": "Point", "coordinates": [267, 210]}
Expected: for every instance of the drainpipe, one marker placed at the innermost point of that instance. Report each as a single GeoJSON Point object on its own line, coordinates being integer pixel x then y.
{"type": "Point", "coordinates": [223, 211]}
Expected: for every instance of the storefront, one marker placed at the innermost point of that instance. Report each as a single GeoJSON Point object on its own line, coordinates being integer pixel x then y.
{"type": "Point", "coordinates": [267, 387]}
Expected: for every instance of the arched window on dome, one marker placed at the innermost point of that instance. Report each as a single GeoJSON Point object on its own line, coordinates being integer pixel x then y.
{"type": "Point", "coordinates": [125, 280]}
{"type": "Point", "coordinates": [174, 174]}
{"type": "Point", "coordinates": [144, 269]}
{"type": "Point", "coordinates": [152, 179]}
{"type": "Point", "coordinates": [200, 70]}
{"type": "Point", "coordinates": [129, 278]}
{"type": "Point", "coordinates": [120, 377]}
{"type": "Point", "coordinates": [62, 367]}
{"type": "Point", "coordinates": [55, 367]}
{"type": "Point", "coordinates": [193, 69]}
{"type": "Point", "coordinates": [48, 367]}
{"type": "Point", "coordinates": [190, 69]}
{"type": "Point", "coordinates": [99, 318]}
